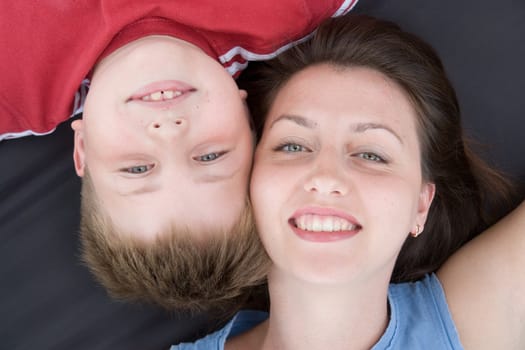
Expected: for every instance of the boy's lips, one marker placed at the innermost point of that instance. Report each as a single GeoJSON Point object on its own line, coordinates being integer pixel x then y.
{"type": "Point", "coordinates": [162, 93]}
{"type": "Point", "coordinates": [319, 224]}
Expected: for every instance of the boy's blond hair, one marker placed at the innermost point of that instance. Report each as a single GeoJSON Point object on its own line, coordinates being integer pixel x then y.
{"type": "Point", "coordinates": [175, 270]}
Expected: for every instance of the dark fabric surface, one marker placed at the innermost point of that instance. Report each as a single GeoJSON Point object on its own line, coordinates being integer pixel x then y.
{"type": "Point", "coordinates": [48, 300]}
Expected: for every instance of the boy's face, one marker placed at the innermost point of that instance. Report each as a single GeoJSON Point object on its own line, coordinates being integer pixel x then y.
{"type": "Point", "coordinates": [166, 137]}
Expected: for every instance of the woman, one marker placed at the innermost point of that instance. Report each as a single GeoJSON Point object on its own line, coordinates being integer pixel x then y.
{"type": "Point", "coordinates": [362, 177]}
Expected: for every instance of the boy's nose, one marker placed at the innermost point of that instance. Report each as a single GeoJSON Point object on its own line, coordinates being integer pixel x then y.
{"type": "Point", "coordinates": [167, 127]}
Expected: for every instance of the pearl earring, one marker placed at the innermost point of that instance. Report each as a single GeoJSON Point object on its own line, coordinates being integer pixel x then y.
{"type": "Point", "coordinates": [417, 232]}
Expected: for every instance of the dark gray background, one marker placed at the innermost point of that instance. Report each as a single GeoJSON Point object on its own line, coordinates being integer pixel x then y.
{"type": "Point", "coordinates": [48, 300]}
{"type": "Point", "coordinates": [482, 45]}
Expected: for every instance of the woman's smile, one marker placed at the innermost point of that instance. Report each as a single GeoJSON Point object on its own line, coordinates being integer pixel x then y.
{"type": "Point", "coordinates": [319, 224]}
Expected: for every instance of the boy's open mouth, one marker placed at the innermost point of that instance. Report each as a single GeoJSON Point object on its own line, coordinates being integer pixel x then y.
{"type": "Point", "coordinates": [162, 95]}
{"type": "Point", "coordinates": [161, 91]}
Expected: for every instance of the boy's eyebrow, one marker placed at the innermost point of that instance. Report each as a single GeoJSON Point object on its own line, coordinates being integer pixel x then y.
{"type": "Point", "coordinates": [207, 178]}
{"type": "Point", "coordinates": [141, 190]}
{"type": "Point", "coordinates": [213, 178]}
{"type": "Point", "coordinates": [204, 179]}
{"type": "Point", "coordinates": [302, 121]}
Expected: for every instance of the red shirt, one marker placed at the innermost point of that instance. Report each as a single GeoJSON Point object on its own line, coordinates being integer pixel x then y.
{"type": "Point", "coordinates": [49, 47]}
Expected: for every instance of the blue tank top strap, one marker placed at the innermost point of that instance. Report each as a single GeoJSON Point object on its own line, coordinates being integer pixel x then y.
{"type": "Point", "coordinates": [419, 318]}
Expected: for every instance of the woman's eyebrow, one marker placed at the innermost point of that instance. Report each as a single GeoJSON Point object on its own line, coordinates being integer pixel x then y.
{"type": "Point", "coordinates": [362, 127]}
{"type": "Point", "coordinates": [358, 128]}
{"type": "Point", "coordinates": [302, 121]}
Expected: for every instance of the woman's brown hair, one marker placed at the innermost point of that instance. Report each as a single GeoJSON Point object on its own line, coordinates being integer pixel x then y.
{"type": "Point", "coordinates": [470, 195]}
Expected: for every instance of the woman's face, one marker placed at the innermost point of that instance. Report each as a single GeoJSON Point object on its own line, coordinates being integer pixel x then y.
{"type": "Point", "coordinates": [337, 183]}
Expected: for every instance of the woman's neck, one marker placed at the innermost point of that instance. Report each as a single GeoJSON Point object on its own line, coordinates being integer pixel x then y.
{"type": "Point", "coordinates": [314, 316]}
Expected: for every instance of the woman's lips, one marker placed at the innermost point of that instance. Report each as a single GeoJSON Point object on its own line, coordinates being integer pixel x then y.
{"type": "Point", "coordinates": [162, 94]}
{"type": "Point", "coordinates": [318, 224]}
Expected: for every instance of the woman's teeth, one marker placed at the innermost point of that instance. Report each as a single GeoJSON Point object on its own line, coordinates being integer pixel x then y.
{"type": "Point", "coordinates": [162, 95]}
{"type": "Point", "coordinates": [317, 223]}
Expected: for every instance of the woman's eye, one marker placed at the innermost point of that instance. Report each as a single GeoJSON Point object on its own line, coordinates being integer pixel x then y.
{"type": "Point", "coordinates": [371, 157]}
{"type": "Point", "coordinates": [209, 157]}
{"type": "Point", "coordinates": [291, 148]}
{"type": "Point", "coordinates": [139, 169]}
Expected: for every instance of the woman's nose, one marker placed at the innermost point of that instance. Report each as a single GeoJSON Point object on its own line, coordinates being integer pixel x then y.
{"type": "Point", "coordinates": [327, 178]}
{"type": "Point", "coordinates": [326, 184]}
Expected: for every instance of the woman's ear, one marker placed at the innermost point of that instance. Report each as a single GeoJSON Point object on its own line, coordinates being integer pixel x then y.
{"type": "Point", "coordinates": [426, 195]}
{"type": "Point", "coordinates": [78, 151]}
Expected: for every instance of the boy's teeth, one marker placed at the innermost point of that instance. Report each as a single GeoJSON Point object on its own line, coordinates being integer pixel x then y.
{"type": "Point", "coordinates": [317, 223]}
{"type": "Point", "coordinates": [156, 96]}
{"type": "Point", "coordinates": [168, 94]}
{"type": "Point", "coordinates": [162, 95]}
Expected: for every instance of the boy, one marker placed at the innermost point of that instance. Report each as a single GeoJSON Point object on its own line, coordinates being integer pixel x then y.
{"type": "Point", "coordinates": [165, 143]}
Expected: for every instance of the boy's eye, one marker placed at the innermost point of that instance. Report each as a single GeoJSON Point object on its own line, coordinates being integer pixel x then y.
{"type": "Point", "coordinates": [371, 157]}
{"type": "Point", "coordinates": [139, 169]}
{"type": "Point", "coordinates": [209, 157]}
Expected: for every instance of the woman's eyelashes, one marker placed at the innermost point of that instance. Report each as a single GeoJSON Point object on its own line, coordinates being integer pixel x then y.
{"type": "Point", "coordinates": [290, 147]}
{"type": "Point", "coordinates": [370, 156]}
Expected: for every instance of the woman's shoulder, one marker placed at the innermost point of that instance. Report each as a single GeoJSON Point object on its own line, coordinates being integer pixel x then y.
{"type": "Point", "coordinates": [418, 309]}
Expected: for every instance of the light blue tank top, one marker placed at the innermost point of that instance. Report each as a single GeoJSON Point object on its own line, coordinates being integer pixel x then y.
{"type": "Point", "coordinates": [419, 319]}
